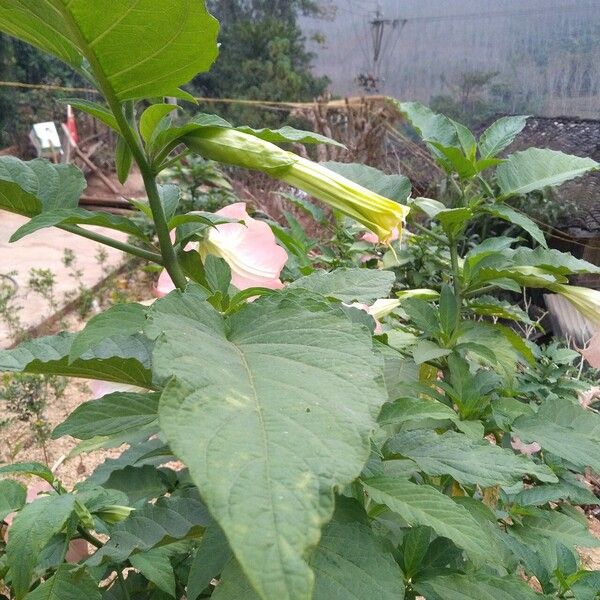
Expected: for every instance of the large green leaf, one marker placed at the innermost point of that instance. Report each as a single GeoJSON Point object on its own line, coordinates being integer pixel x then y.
{"type": "Point", "coordinates": [28, 468]}
{"type": "Point", "coordinates": [155, 565]}
{"type": "Point", "coordinates": [31, 530]}
{"type": "Point", "coordinates": [12, 497]}
{"type": "Point", "coordinates": [415, 409]}
{"type": "Point", "coordinates": [500, 134]}
{"type": "Point", "coordinates": [208, 562]}
{"type": "Point", "coordinates": [153, 526]}
{"type": "Point", "coordinates": [348, 285]}
{"type": "Point", "coordinates": [431, 126]}
{"type": "Point", "coordinates": [77, 216]}
{"type": "Point", "coordinates": [474, 587]}
{"type": "Point", "coordinates": [424, 505]}
{"type": "Point", "coordinates": [560, 492]}
{"type": "Point", "coordinates": [110, 415]}
{"type": "Point", "coordinates": [123, 359]}
{"type": "Point", "coordinates": [565, 430]}
{"type": "Point", "coordinates": [394, 187]}
{"type": "Point", "coordinates": [28, 188]}
{"type": "Point", "coordinates": [118, 320]}
{"type": "Point", "coordinates": [279, 413]}
{"type": "Point", "coordinates": [469, 461]}
{"type": "Point", "coordinates": [68, 583]}
{"type": "Point", "coordinates": [159, 47]}
{"type": "Point", "coordinates": [350, 563]}
{"type": "Point", "coordinates": [552, 526]}
{"type": "Point", "coordinates": [507, 213]}
{"type": "Point", "coordinates": [538, 168]}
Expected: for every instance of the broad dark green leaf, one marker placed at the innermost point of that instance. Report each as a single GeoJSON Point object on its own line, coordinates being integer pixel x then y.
{"type": "Point", "coordinates": [414, 549]}
{"type": "Point", "coordinates": [118, 320]}
{"type": "Point", "coordinates": [394, 187]}
{"type": "Point", "coordinates": [350, 563]}
{"type": "Point", "coordinates": [538, 168]}
{"type": "Point", "coordinates": [30, 468]}
{"type": "Point", "coordinates": [12, 497]}
{"type": "Point", "coordinates": [559, 492]}
{"type": "Point", "coordinates": [68, 583]}
{"type": "Point", "coordinates": [469, 461]}
{"type": "Point", "coordinates": [474, 587]}
{"type": "Point", "coordinates": [426, 351]}
{"type": "Point", "coordinates": [550, 259]}
{"type": "Point", "coordinates": [500, 134]}
{"type": "Point", "coordinates": [348, 285]}
{"type": "Point", "coordinates": [454, 159]}
{"type": "Point", "coordinates": [565, 430]}
{"type": "Point", "coordinates": [424, 505]}
{"type": "Point", "coordinates": [507, 213]}
{"type": "Point", "coordinates": [31, 530]}
{"type": "Point", "coordinates": [28, 188]}
{"type": "Point", "coordinates": [122, 359]}
{"type": "Point", "coordinates": [448, 310]}
{"type": "Point", "coordinates": [211, 557]}
{"type": "Point", "coordinates": [422, 314]}
{"type": "Point", "coordinates": [552, 526]}
{"type": "Point", "coordinates": [77, 216]}
{"type": "Point", "coordinates": [110, 415]}
{"type": "Point", "coordinates": [140, 482]}
{"type": "Point", "coordinates": [158, 50]}
{"type": "Point", "coordinates": [154, 525]}
{"type": "Point", "coordinates": [155, 565]}
{"type": "Point", "coordinates": [149, 452]}
{"type": "Point", "coordinates": [267, 449]}
{"type": "Point", "coordinates": [415, 409]}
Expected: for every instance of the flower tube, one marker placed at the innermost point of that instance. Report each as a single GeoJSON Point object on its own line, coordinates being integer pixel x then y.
{"type": "Point", "coordinates": [585, 300]}
{"type": "Point", "coordinates": [378, 214]}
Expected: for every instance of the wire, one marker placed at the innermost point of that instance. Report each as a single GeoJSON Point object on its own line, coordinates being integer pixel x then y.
{"type": "Point", "coordinates": [486, 15]}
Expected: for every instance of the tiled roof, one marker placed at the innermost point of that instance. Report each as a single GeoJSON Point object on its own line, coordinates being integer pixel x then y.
{"type": "Point", "coordinates": [580, 137]}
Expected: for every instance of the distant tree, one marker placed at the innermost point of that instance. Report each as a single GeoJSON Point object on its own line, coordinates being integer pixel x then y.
{"type": "Point", "coordinates": [263, 57]}
{"type": "Point", "coordinates": [476, 97]}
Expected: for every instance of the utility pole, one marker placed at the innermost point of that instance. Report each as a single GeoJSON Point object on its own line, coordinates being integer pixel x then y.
{"type": "Point", "coordinates": [378, 27]}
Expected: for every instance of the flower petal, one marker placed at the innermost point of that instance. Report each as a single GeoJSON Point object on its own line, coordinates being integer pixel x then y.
{"type": "Point", "coordinates": [250, 249]}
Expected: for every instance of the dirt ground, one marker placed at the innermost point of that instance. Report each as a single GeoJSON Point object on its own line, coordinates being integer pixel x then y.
{"type": "Point", "coordinates": [19, 443]}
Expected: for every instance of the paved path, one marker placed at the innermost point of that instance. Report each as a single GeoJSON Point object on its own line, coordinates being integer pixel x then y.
{"type": "Point", "coordinates": [44, 250]}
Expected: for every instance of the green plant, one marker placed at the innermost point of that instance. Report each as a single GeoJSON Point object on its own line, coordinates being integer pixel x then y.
{"type": "Point", "coordinates": [321, 461]}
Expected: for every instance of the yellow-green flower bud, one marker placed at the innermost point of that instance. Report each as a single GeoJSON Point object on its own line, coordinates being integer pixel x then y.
{"type": "Point", "coordinates": [229, 146]}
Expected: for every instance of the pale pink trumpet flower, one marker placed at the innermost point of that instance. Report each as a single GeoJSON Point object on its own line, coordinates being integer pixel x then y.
{"type": "Point", "coordinates": [249, 248]}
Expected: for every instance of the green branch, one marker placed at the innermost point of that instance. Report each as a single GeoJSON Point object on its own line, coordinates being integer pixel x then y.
{"type": "Point", "coordinates": [130, 136]}
{"type": "Point", "coordinates": [108, 241]}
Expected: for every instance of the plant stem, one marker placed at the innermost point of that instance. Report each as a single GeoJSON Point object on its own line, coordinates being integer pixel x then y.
{"type": "Point", "coordinates": [108, 241]}
{"type": "Point", "coordinates": [456, 279]}
{"type": "Point", "coordinates": [88, 537]}
{"type": "Point", "coordinates": [123, 585]}
{"type": "Point", "coordinates": [455, 269]}
{"type": "Point", "coordinates": [130, 136]}
{"type": "Point", "coordinates": [484, 290]}
{"type": "Point", "coordinates": [426, 231]}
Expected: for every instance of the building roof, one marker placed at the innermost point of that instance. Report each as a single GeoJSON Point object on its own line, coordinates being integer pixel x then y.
{"type": "Point", "coordinates": [580, 137]}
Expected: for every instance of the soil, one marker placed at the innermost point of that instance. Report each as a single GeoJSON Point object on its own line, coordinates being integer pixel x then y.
{"type": "Point", "coordinates": [20, 444]}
